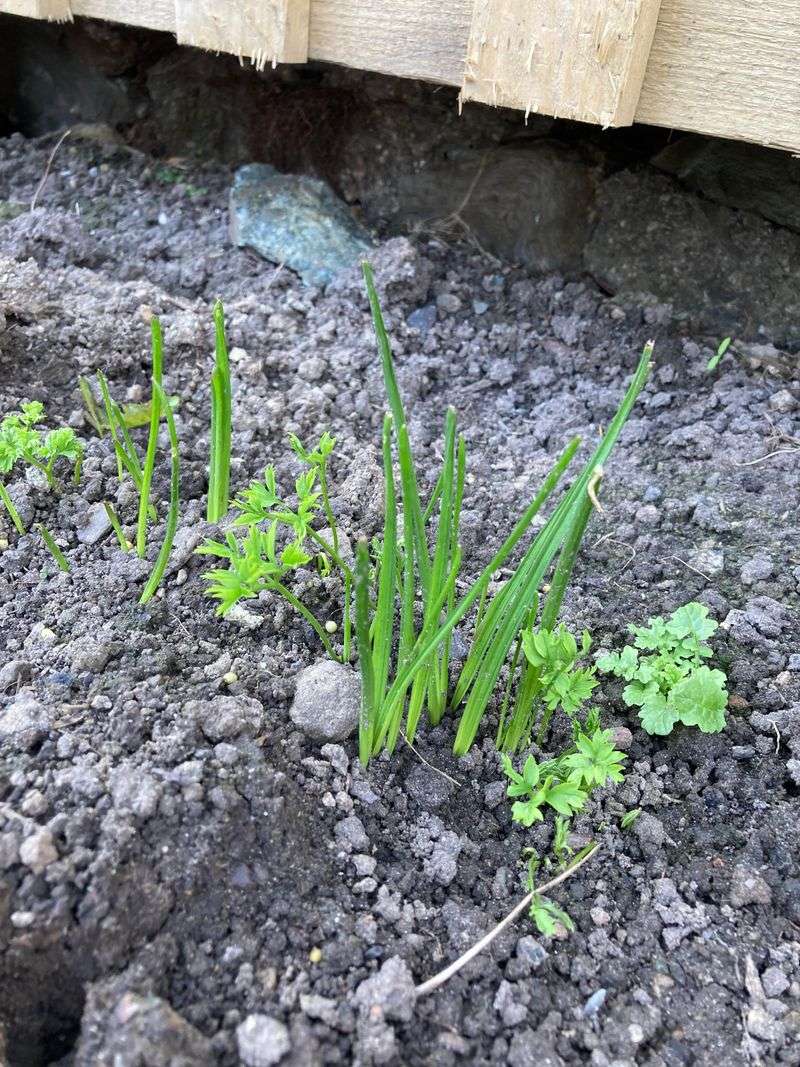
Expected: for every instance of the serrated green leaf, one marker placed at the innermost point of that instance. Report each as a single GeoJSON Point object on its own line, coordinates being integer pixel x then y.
{"type": "Point", "coordinates": [701, 699]}
{"type": "Point", "coordinates": [691, 620]}
{"type": "Point", "coordinates": [656, 716]}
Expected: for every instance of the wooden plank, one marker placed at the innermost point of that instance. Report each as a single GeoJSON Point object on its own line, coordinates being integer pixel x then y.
{"type": "Point", "coordinates": [727, 68]}
{"type": "Point", "coordinates": [268, 31]}
{"type": "Point", "coordinates": [574, 59]}
{"type": "Point", "coordinates": [410, 38]}
{"type": "Point", "coordinates": [722, 67]}
{"type": "Point", "coordinates": [51, 10]}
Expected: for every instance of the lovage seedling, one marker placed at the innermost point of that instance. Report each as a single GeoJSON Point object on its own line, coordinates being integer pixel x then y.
{"type": "Point", "coordinates": [553, 680]}
{"type": "Point", "coordinates": [561, 785]}
{"type": "Point", "coordinates": [667, 678]}
{"type": "Point", "coordinates": [23, 442]}
{"type": "Point", "coordinates": [281, 538]}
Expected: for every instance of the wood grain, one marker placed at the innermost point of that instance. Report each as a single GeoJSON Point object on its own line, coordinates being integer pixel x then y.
{"type": "Point", "coordinates": [574, 59]}
{"type": "Point", "coordinates": [267, 31]}
{"type": "Point", "coordinates": [51, 10]}
{"type": "Point", "coordinates": [723, 67]}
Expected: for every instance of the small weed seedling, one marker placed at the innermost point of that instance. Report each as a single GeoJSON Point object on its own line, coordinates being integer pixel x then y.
{"type": "Point", "coordinates": [561, 785]}
{"type": "Point", "coordinates": [551, 681]}
{"type": "Point", "coordinates": [667, 679]}
{"type": "Point", "coordinates": [23, 442]}
{"type": "Point", "coordinates": [722, 348]}
{"type": "Point", "coordinates": [280, 538]}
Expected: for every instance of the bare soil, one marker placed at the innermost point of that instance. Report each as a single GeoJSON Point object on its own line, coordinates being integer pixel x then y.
{"type": "Point", "coordinates": [207, 863]}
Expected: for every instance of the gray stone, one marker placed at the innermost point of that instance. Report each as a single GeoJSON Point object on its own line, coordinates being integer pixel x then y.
{"type": "Point", "coordinates": [295, 220]}
{"type": "Point", "coordinates": [391, 991]}
{"type": "Point", "coordinates": [758, 569]}
{"type": "Point", "coordinates": [262, 1041]}
{"type": "Point", "coordinates": [442, 864]}
{"type": "Point", "coordinates": [24, 722]}
{"type": "Point", "coordinates": [761, 1025]}
{"type": "Point", "coordinates": [38, 851]}
{"type": "Point", "coordinates": [727, 271]}
{"type": "Point", "coordinates": [740, 175]}
{"type": "Point", "coordinates": [327, 701]}
{"type": "Point", "coordinates": [510, 1010]}
{"type": "Point", "coordinates": [228, 716]}
{"type": "Point", "coordinates": [9, 850]}
{"type": "Point", "coordinates": [595, 1003]}
{"type": "Point", "coordinates": [89, 653]}
{"type": "Point", "coordinates": [774, 981]}
{"type": "Point", "coordinates": [135, 790]}
{"type": "Point", "coordinates": [748, 887]}
{"type": "Point", "coordinates": [531, 1049]}
{"type": "Point", "coordinates": [94, 526]}
{"type": "Point", "coordinates": [709, 561]}
{"type": "Point", "coordinates": [423, 319]}
{"type": "Point", "coordinates": [651, 833]}
{"type": "Point", "coordinates": [13, 672]}
{"type": "Point", "coordinates": [143, 1029]}
{"type": "Point", "coordinates": [531, 951]}
{"type": "Point", "coordinates": [351, 832]}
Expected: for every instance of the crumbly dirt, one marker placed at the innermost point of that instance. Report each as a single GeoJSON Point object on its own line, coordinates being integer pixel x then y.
{"type": "Point", "coordinates": [176, 856]}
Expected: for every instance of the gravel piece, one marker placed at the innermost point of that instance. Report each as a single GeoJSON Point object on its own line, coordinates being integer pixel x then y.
{"type": "Point", "coordinates": [38, 851]}
{"type": "Point", "coordinates": [391, 991]}
{"type": "Point", "coordinates": [327, 701]}
{"type": "Point", "coordinates": [351, 833]}
{"type": "Point", "coordinates": [24, 722]}
{"type": "Point", "coordinates": [748, 887]}
{"type": "Point", "coordinates": [262, 1041]}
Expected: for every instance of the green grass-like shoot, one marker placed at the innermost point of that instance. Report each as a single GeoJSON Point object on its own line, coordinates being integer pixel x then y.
{"type": "Point", "coordinates": [160, 565]}
{"type": "Point", "coordinates": [722, 348]}
{"type": "Point", "coordinates": [220, 457]}
{"type": "Point", "coordinates": [53, 548]}
{"type": "Point", "coordinates": [116, 526]}
{"type": "Point", "coordinates": [157, 346]}
{"type": "Point", "coordinates": [11, 509]}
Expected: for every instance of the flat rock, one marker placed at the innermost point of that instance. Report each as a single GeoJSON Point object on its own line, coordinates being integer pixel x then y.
{"type": "Point", "coordinates": [727, 271]}
{"type": "Point", "coordinates": [295, 220]}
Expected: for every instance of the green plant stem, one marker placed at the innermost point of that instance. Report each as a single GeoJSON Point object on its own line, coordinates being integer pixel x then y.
{"type": "Point", "coordinates": [328, 548]}
{"type": "Point", "coordinates": [561, 578]}
{"type": "Point", "coordinates": [308, 615]}
{"type": "Point", "coordinates": [220, 459]}
{"type": "Point", "coordinates": [412, 510]}
{"type": "Point", "coordinates": [116, 526]}
{"type": "Point", "coordinates": [368, 707]}
{"type": "Point", "coordinates": [347, 624]}
{"type": "Point", "coordinates": [157, 346]}
{"type": "Point", "coordinates": [53, 548]}
{"type": "Point", "coordinates": [160, 566]}
{"type": "Point", "coordinates": [384, 611]}
{"type": "Point", "coordinates": [326, 504]}
{"type": "Point", "coordinates": [11, 509]}
{"type": "Point", "coordinates": [503, 618]}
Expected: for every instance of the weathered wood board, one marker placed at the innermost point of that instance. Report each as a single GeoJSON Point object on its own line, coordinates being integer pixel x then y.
{"type": "Point", "coordinates": [267, 31]}
{"type": "Point", "coordinates": [574, 59]}
{"type": "Point", "coordinates": [723, 67]}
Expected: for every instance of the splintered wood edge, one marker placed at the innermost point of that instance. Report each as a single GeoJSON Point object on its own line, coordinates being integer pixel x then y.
{"type": "Point", "coordinates": [49, 10]}
{"type": "Point", "coordinates": [275, 32]}
{"type": "Point", "coordinates": [579, 59]}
